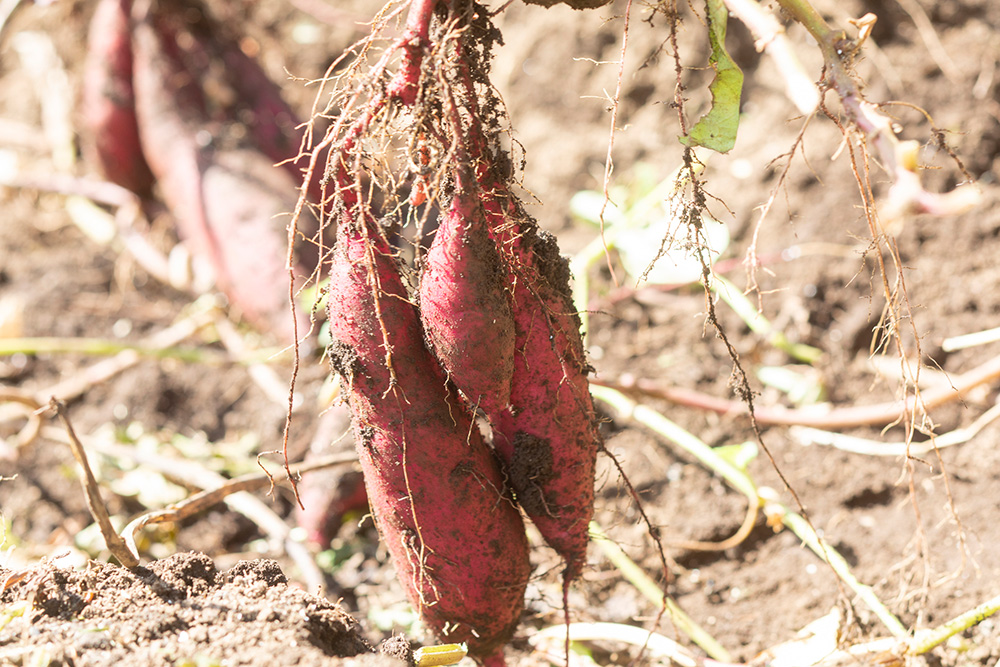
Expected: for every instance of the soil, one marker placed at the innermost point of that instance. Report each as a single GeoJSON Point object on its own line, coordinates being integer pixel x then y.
{"type": "Point", "coordinates": [180, 608]}
{"type": "Point", "coordinates": [922, 532]}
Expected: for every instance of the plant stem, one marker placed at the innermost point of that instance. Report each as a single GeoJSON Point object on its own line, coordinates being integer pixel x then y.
{"type": "Point", "coordinates": [925, 640]}
{"type": "Point", "coordinates": [655, 421]}
{"type": "Point", "coordinates": [93, 347]}
{"type": "Point", "coordinates": [652, 592]}
{"type": "Point", "coordinates": [759, 324]}
{"type": "Point", "coordinates": [629, 409]}
{"type": "Point", "coordinates": [819, 416]}
{"type": "Point", "coordinates": [899, 158]}
{"type": "Point", "coordinates": [804, 13]}
{"type": "Point", "coordinates": [105, 347]}
{"type": "Point", "coordinates": [856, 445]}
{"type": "Point", "coordinates": [769, 37]}
{"type": "Point", "coordinates": [970, 340]}
{"type": "Point", "coordinates": [656, 645]}
{"type": "Point", "coordinates": [443, 654]}
{"type": "Point", "coordinates": [580, 268]}
{"type": "Point", "coordinates": [804, 531]}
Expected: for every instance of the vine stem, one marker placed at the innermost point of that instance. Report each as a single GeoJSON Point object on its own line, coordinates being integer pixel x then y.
{"type": "Point", "coordinates": [739, 480]}
{"type": "Point", "coordinates": [652, 592]}
{"type": "Point", "coordinates": [822, 417]}
{"type": "Point", "coordinates": [769, 36]}
{"type": "Point", "coordinates": [925, 640]}
{"type": "Point", "coordinates": [804, 13]}
{"type": "Point", "coordinates": [907, 195]}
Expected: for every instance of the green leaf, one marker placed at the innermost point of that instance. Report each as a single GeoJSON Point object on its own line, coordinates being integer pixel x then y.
{"type": "Point", "coordinates": [716, 130]}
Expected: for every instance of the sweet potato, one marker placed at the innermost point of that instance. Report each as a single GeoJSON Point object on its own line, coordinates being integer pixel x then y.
{"type": "Point", "coordinates": [111, 131]}
{"type": "Point", "coordinates": [171, 108]}
{"type": "Point", "coordinates": [457, 542]}
{"type": "Point", "coordinates": [247, 102]}
{"type": "Point", "coordinates": [328, 495]}
{"type": "Point", "coordinates": [271, 124]}
{"type": "Point", "coordinates": [465, 306]}
{"type": "Point", "coordinates": [549, 437]}
{"type": "Point", "coordinates": [226, 197]}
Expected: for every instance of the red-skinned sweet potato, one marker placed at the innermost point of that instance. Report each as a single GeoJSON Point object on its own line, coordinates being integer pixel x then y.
{"type": "Point", "coordinates": [226, 196]}
{"type": "Point", "coordinates": [271, 124]}
{"type": "Point", "coordinates": [111, 132]}
{"type": "Point", "coordinates": [465, 305]}
{"type": "Point", "coordinates": [330, 494]}
{"type": "Point", "coordinates": [549, 437]}
{"type": "Point", "coordinates": [245, 102]}
{"type": "Point", "coordinates": [436, 493]}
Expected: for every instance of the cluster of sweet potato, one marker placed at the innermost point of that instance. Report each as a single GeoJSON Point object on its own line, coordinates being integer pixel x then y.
{"type": "Point", "coordinates": [490, 329]}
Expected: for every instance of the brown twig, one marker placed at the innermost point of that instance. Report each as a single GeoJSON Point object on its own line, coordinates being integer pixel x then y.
{"type": "Point", "coordinates": [118, 547]}
{"type": "Point", "coordinates": [29, 433]}
{"type": "Point", "coordinates": [253, 508]}
{"type": "Point", "coordinates": [734, 540]}
{"type": "Point", "coordinates": [202, 500]}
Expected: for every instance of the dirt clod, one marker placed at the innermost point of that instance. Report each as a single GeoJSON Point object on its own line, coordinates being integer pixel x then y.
{"type": "Point", "coordinates": [397, 646]}
{"type": "Point", "coordinates": [530, 468]}
{"type": "Point", "coordinates": [176, 609]}
{"type": "Point", "coordinates": [575, 4]}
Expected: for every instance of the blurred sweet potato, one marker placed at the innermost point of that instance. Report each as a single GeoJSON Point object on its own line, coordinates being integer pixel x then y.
{"type": "Point", "coordinates": [226, 195]}
{"type": "Point", "coordinates": [110, 129]}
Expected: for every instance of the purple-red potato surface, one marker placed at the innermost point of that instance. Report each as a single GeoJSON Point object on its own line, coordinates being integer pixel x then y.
{"type": "Point", "coordinates": [111, 131]}
{"type": "Point", "coordinates": [230, 203]}
{"type": "Point", "coordinates": [549, 438]}
{"type": "Point", "coordinates": [465, 304]}
{"type": "Point", "coordinates": [437, 495]}
{"type": "Point", "coordinates": [456, 539]}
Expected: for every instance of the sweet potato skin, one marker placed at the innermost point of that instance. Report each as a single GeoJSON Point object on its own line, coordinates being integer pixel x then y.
{"type": "Point", "coordinates": [465, 306]}
{"type": "Point", "coordinates": [170, 107]}
{"type": "Point", "coordinates": [548, 439]}
{"type": "Point", "coordinates": [228, 199]}
{"type": "Point", "coordinates": [435, 490]}
{"type": "Point", "coordinates": [111, 131]}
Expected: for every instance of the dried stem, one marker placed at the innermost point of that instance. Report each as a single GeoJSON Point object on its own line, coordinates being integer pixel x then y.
{"type": "Point", "coordinates": [879, 414]}
{"type": "Point", "coordinates": [118, 547]}
{"type": "Point", "coordinates": [253, 508]}
{"type": "Point", "coordinates": [628, 409]}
